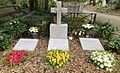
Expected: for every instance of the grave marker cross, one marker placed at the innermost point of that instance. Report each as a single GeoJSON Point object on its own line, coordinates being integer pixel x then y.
{"type": "Point", "coordinates": [59, 10]}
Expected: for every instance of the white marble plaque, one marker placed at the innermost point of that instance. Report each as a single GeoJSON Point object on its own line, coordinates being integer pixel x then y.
{"type": "Point", "coordinates": [58, 31]}
{"type": "Point", "coordinates": [60, 44]}
{"type": "Point", "coordinates": [91, 44]}
{"type": "Point", "coordinates": [26, 44]}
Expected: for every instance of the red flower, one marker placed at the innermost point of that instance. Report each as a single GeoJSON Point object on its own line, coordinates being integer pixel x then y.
{"type": "Point", "coordinates": [17, 56]}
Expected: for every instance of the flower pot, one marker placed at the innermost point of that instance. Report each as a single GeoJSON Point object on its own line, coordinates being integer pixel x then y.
{"type": "Point", "coordinates": [87, 34]}
{"type": "Point", "coordinates": [34, 35]}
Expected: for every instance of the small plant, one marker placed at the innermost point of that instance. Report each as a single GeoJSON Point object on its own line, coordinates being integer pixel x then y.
{"type": "Point", "coordinates": [57, 58]}
{"type": "Point", "coordinates": [117, 4]}
{"type": "Point", "coordinates": [17, 57]}
{"type": "Point", "coordinates": [33, 29]}
{"type": "Point", "coordinates": [105, 30]}
{"type": "Point", "coordinates": [114, 43]}
{"type": "Point", "coordinates": [104, 60]}
{"type": "Point", "coordinates": [88, 26]}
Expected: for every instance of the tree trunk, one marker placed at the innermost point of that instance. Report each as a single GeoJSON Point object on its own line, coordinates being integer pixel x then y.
{"type": "Point", "coordinates": [46, 4]}
{"type": "Point", "coordinates": [31, 4]}
{"type": "Point", "coordinates": [94, 2]}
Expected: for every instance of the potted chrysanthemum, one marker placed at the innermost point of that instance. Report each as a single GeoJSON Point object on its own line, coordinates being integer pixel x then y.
{"type": "Point", "coordinates": [34, 31]}
{"type": "Point", "coordinates": [104, 60]}
{"type": "Point", "coordinates": [57, 58]}
{"type": "Point", "coordinates": [87, 28]}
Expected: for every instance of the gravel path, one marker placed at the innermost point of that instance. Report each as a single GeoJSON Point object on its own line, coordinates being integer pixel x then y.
{"type": "Point", "coordinates": [105, 17]}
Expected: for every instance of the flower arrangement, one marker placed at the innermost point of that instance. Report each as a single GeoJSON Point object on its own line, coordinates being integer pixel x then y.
{"type": "Point", "coordinates": [104, 60]}
{"type": "Point", "coordinates": [17, 57]}
{"type": "Point", "coordinates": [88, 26]}
{"type": "Point", "coordinates": [57, 58]}
{"type": "Point", "coordinates": [33, 29]}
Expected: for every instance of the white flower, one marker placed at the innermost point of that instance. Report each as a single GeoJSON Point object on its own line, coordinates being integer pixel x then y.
{"type": "Point", "coordinates": [71, 38]}
{"type": "Point", "coordinates": [88, 26]}
{"type": "Point", "coordinates": [11, 23]}
{"type": "Point", "coordinates": [76, 33]}
{"type": "Point", "coordinates": [55, 0]}
{"type": "Point", "coordinates": [109, 69]}
{"type": "Point", "coordinates": [33, 29]}
{"type": "Point", "coordinates": [101, 66]}
{"type": "Point", "coordinates": [108, 64]}
{"type": "Point", "coordinates": [80, 33]}
{"type": "Point", "coordinates": [15, 22]}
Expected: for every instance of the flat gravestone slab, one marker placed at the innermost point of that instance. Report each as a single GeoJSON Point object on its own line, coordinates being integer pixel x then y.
{"type": "Point", "coordinates": [60, 44]}
{"type": "Point", "coordinates": [26, 44]}
{"type": "Point", "coordinates": [91, 44]}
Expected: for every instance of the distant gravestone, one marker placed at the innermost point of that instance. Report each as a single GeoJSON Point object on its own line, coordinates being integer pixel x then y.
{"type": "Point", "coordinates": [73, 7]}
{"type": "Point", "coordinates": [91, 44]}
{"type": "Point", "coordinates": [26, 44]}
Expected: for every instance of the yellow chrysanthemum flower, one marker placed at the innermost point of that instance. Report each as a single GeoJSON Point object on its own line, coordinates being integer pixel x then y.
{"type": "Point", "coordinates": [57, 58]}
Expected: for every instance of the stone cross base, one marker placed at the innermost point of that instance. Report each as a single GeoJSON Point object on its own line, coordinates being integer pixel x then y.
{"type": "Point", "coordinates": [58, 31]}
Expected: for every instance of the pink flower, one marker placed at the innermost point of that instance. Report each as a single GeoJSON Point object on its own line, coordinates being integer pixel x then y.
{"type": "Point", "coordinates": [17, 56]}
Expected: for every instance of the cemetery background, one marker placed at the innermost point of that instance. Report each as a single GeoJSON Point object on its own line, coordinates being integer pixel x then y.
{"type": "Point", "coordinates": [36, 62]}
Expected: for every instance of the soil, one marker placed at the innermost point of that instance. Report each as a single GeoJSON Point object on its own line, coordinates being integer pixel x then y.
{"type": "Point", "coordinates": [36, 63]}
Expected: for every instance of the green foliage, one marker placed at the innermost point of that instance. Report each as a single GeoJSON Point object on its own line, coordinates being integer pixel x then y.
{"type": "Point", "coordinates": [5, 2]}
{"type": "Point", "coordinates": [117, 4]}
{"type": "Point", "coordinates": [22, 3]}
{"type": "Point", "coordinates": [105, 30]}
{"type": "Point", "coordinates": [114, 43]}
{"type": "Point", "coordinates": [8, 31]}
{"type": "Point", "coordinates": [5, 40]}
{"type": "Point", "coordinates": [34, 18]}
{"type": "Point", "coordinates": [13, 28]}
{"type": "Point", "coordinates": [37, 19]}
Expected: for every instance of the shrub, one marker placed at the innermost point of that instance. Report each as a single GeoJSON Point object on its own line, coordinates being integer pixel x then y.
{"type": "Point", "coordinates": [105, 30]}
{"type": "Point", "coordinates": [57, 58]}
{"type": "Point", "coordinates": [117, 4]}
{"type": "Point", "coordinates": [104, 60]}
{"type": "Point", "coordinates": [9, 30]}
{"type": "Point", "coordinates": [5, 2]}
{"type": "Point", "coordinates": [114, 43]}
{"type": "Point", "coordinates": [5, 42]}
{"type": "Point", "coordinates": [37, 19]}
{"type": "Point", "coordinates": [14, 28]}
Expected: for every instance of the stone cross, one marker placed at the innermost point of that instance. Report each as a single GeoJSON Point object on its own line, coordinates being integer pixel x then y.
{"type": "Point", "coordinates": [59, 10]}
